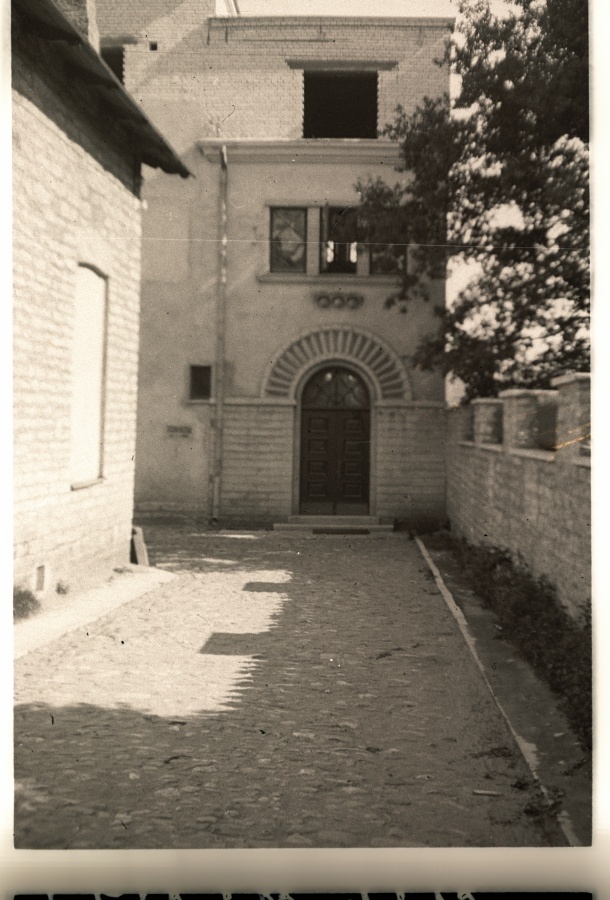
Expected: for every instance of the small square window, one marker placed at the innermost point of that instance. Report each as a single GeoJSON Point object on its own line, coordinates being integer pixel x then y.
{"type": "Point", "coordinates": [200, 386]}
{"type": "Point", "coordinates": [153, 45]}
{"type": "Point", "coordinates": [288, 239]}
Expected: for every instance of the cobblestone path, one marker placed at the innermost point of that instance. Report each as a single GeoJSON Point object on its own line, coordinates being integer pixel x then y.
{"type": "Point", "coordinates": [283, 691]}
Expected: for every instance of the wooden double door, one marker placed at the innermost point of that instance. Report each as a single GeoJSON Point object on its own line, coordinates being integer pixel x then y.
{"type": "Point", "coordinates": [335, 444]}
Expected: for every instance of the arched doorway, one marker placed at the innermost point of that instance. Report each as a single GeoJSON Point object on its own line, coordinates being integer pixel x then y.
{"type": "Point", "coordinates": [335, 444]}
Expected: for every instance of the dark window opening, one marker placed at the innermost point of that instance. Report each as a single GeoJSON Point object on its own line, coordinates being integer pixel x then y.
{"type": "Point", "coordinates": [340, 105]}
{"type": "Point", "coordinates": [338, 239]}
{"type": "Point", "coordinates": [288, 239]}
{"type": "Point", "coordinates": [152, 45]}
{"type": "Point", "coordinates": [114, 59]}
{"type": "Point", "coordinates": [200, 387]}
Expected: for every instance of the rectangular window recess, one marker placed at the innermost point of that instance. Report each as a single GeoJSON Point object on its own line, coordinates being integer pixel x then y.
{"type": "Point", "coordinates": [88, 376]}
{"type": "Point", "coordinates": [80, 485]}
{"type": "Point", "coordinates": [340, 104]}
{"type": "Point", "coordinates": [200, 382]}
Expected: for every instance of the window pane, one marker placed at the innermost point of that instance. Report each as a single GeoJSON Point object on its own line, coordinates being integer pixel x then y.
{"type": "Point", "coordinates": [338, 239]}
{"type": "Point", "coordinates": [335, 388]}
{"type": "Point", "coordinates": [387, 258]}
{"type": "Point", "coordinates": [288, 239]}
{"type": "Point", "coordinates": [87, 376]}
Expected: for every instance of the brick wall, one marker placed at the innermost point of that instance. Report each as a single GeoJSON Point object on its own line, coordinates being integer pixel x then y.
{"type": "Point", "coordinates": [411, 463]}
{"type": "Point", "coordinates": [72, 203]}
{"type": "Point", "coordinates": [230, 77]}
{"type": "Point", "coordinates": [505, 491]}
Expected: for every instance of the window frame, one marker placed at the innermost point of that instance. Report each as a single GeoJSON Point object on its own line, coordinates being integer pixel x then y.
{"type": "Point", "coordinates": [314, 247]}
{"type": "Point", "coordinates": [274, 209]}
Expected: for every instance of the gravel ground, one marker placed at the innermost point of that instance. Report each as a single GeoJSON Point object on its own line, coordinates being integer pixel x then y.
{"type": "Point", "coordinates": [285, 690]}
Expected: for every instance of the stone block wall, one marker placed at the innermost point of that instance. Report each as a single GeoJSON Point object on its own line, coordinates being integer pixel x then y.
{"type": "Point", "coordinates": [73, 203]}
{"type": "Point", "coordinates": [505, 489]}
{"type": "Point", "coordinates": [257, 462]}
{"type": "Point", "coordinates": [410, 463]}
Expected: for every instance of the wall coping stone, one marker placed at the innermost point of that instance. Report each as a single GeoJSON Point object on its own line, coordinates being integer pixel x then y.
{"type": "Point", "coordinates": [533, 453]}
{"type": "Point", "coordinates": [570, 377]}
{"type": "Point", "coordinates": [526, 392]}
{"type": "Point", "coordinates": [484, 400]}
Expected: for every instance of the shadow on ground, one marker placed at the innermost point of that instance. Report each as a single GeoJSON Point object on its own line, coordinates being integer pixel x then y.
{"type": "Point", "coordinates": [358, 720]}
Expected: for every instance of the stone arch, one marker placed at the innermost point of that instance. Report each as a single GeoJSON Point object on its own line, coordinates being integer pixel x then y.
{"type": "Point", "coordinates": [338, 342]}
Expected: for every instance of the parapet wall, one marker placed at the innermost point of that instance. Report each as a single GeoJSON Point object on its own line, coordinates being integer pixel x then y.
{"type": "Point", "coordinates": [519, 477]}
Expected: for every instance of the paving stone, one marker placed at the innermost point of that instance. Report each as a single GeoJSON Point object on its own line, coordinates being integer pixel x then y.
{"type": "Point", "coordinates": [341, 706]}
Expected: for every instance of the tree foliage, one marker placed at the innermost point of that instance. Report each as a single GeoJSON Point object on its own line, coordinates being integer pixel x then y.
{"type": "Point", "coordinates": [499, 180]}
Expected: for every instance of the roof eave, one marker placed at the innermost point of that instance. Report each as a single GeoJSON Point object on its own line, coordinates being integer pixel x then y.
{"type": "Point", "coordinates": [47, 22]}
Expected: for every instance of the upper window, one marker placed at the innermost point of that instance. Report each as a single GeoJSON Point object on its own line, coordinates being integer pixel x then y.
{"type": "Point", "coordinates": [340, 105]}
{"type": "Point", "coordinates": [338, 239]}
{"type": "Point", "coordinates": [288, 239]}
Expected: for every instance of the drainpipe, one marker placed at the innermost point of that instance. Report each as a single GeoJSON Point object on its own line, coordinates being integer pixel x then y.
{"type": "Point", "coordinates": [221, 306]}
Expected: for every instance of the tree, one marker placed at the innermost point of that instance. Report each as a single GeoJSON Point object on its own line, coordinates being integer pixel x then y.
{"type": "Point", "coordinates": [499, 180]}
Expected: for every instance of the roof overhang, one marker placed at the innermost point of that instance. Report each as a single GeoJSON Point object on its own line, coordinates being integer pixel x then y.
{"type": "Point", "coordinates": [42, 19]}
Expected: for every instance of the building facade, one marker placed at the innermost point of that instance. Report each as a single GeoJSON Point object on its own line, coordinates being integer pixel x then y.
{"type": "Point", "coordinates": [274, 382]}
{"type": "Point", "coordinates": [78, 146]}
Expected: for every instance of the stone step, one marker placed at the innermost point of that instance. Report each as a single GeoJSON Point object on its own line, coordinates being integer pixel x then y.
{"type": "Point", "coordinates": [334, 525]}
{"type": "Point", "coordinates": [335, 521]}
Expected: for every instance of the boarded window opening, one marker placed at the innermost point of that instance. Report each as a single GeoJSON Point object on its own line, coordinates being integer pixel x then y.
{"type": "Point", "coordinates": [200, 386]}
{"type": "Point", "coordinates": [88, 376]}
{"type": "Point", "coordinates": [340, 105]}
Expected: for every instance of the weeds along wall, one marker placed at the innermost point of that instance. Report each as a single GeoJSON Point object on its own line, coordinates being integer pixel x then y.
{"type": "Point", "coordinates": [519, 478]}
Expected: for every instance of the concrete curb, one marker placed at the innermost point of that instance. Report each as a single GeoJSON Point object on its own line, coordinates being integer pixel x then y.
{"type": "Point", "coordinates": [86, 607]}
{"type": "Point", "coordinates": [563, 818]}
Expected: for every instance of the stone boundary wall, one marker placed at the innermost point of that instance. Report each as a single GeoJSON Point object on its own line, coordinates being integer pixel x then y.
{"type": "Point", "coordinates": [519, 477]}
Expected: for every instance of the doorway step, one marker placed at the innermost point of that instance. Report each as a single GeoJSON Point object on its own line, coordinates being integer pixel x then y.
{"type": "Point", "coordinates": [334, 525]}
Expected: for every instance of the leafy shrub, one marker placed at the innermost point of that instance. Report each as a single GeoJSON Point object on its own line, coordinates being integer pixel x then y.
{"type": "Point", "coordinates": [25, 603]}
{"type": "Point", "coordinates": [558, 648]}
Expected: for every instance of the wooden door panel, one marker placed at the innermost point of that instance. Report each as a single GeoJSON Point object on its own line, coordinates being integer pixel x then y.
{"type": "Point", "coordinates": [335, 462]}
{"type": "Point", "coordinates": [353, 463]}
{"type": "Point", "coordinates": [316, 480]}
